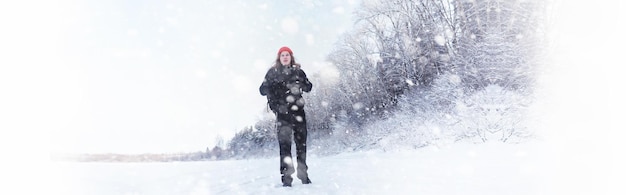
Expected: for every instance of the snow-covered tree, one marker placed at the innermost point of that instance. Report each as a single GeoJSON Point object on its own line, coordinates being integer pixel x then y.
{"type": "Point", "coordinates": [498, 42]}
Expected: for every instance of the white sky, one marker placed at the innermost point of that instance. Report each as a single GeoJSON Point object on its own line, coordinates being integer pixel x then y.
{"type": "Point", "coordinates": [583, 79]}
{"type": "Point", "coordinates": [581, 100]}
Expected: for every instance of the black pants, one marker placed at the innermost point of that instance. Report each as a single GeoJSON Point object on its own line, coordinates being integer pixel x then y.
{"type": "Point", "coordinates": [292, 123]}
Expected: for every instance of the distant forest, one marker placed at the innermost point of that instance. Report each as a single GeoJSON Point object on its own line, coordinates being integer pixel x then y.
{"type": "Point", "coordinates": [210, 154]}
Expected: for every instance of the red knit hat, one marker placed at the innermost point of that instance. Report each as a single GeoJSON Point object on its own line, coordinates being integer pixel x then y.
{"type": "Point", "coordinates": [285, 48]}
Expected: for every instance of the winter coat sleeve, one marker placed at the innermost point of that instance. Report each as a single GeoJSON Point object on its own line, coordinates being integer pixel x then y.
{"type": "Point", "coordinates": [264, 89]}
{"type": "Point", "coordinates": [306, 85]}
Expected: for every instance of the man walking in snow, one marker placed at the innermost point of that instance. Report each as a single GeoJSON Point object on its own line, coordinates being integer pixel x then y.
{"type": "Point", "coordinates": [283, 85]}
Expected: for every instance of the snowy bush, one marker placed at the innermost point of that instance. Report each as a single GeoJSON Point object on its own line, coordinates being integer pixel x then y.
{"type": "Point", "coordinates": [422, 117]}
{"type": "Point", "coordinates": [446, 113]}
{"type": "Point", "coordinates": [491, 114]}
{"type": "Point", "coordinates": [258, 141]}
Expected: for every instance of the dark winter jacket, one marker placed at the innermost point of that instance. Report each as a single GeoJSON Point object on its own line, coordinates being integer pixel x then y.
{"type": "Point", "coordinates": [283, 87]}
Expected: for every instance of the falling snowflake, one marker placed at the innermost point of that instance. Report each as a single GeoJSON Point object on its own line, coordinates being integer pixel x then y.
{"type": "Point", "coordinates": [440, 40]}
{"type": "Point", "coordinates": [290, 25]}
{"type": "Point", "coordinates": [310, 40]}
{"type": "Point", "coordinates": [357, 106]}
{"type": "Point", "coordinates": [290, 99]}
{"type": "Point", "coordinates": [409, 82]}
{"type": "Point", "coordinates": [287, 160]}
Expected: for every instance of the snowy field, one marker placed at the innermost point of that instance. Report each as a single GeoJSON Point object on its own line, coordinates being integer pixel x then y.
{"type": "Point", "coordinates": [492, 168]}
{"type": "Point", "coordinates": [581, 101]}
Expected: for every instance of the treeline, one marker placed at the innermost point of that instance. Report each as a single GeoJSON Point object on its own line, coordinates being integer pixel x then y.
{"type": "Point", "coordinates": [461, 69]}
{"type": "Point", "coordinates": [217, 153]}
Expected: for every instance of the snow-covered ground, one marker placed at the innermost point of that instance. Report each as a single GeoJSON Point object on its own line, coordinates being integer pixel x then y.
{"type": "Point", "coordinates": [491, 168]}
